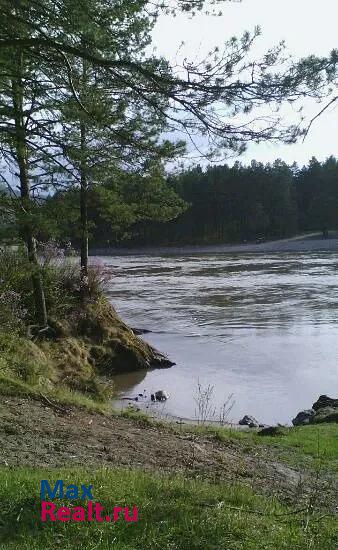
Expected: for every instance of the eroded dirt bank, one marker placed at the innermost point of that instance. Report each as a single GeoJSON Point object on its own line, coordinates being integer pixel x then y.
{"type": "Point", "coordinates": [34, 434]}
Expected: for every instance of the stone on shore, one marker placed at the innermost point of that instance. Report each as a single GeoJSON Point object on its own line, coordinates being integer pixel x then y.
{"type": "Point", "coordinates": [325, 409]}
{"type": "Point", "coordinates": [303, 418]}
{"type": "Point", "coordinates": [249, 421]}
{"type": "Point", "coordinates": [327, 414]}
{"type": "Point", "coordinates": [324, 401]}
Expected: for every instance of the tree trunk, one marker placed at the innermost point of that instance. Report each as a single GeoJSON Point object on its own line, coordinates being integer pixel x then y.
{"type": "Point", "coordinates": [26, 202]}
{"type": "Point", "coordinates": [84, 196]}
{"type": "Point", "coordinates": [84, 214]}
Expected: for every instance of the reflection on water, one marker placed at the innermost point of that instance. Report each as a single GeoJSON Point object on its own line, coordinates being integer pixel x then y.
{"type": "Point", "coordinates": [124, 382]}
{"type": "Point", "coordinates": [263, 327]}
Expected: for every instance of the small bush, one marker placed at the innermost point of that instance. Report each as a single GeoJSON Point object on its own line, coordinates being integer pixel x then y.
{"type": "Point", "coordinates": [98, 277]}
{"type": "Point", "coordinates": [61, 280]}
{"type": "Point", "coordinates": [12, 311]}
{"type": "Point", "coordinates": [22, 360]}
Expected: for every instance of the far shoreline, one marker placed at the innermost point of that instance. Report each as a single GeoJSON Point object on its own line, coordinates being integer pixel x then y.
{"type": "Point", "coordinates": [304, 243]}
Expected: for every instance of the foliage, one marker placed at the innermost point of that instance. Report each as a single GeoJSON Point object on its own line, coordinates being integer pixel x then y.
{"type": "Point", "coordinates": [12, 313]}
{"type": "Point", "coordinates": [243, 203]}
{"type": "Point", "coordinates": [15, 289]}
{"type": "Point", "coordinates": [114, 208]}
{"type": "Point", "coordinates": [236, 203]}
{"type": "Point", "coordinates": [317, 194]}
{"type": "Point", "coordinates": [61, 278]}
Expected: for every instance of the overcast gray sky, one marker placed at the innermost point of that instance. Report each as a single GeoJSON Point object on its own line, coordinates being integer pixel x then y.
{"type": "Point", "coordinates": [307, 26]}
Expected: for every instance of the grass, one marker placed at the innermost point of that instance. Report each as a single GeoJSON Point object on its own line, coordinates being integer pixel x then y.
{"type": "Point", "coordinates": [300, 446]}
{"type": "Point", "coordinates": [174, 513]}
{"type": "Point", "coordinates": [62, 395]}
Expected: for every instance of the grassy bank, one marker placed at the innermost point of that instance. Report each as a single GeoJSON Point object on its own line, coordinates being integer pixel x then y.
{"type": "Point", "coordinates": [85, 342]}
{"type": "Point", "coordinates": [303, 446]}
{"type": "Point", "coordinates": [174, 513]}
{"type": "Point", "coordinates": [71, 365]}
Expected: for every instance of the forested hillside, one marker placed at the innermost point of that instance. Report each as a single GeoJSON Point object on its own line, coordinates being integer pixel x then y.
{"type": "Point", "coordinates": [232, 204]}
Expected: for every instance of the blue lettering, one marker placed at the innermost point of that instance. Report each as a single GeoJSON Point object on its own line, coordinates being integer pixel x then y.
{"type": "Point", "coordinates": [45, 487]}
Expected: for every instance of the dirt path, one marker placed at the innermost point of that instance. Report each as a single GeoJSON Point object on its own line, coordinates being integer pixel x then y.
{"type": "Point", "coordinates": [34, 434]}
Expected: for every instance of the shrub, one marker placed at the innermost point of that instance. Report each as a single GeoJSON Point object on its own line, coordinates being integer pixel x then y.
{"type": "Point", "coordinates": [16, 296]}
{"type": "Point", "coordinates": [98, 278]}
{"type": "Point", "coordinates": [61, 281]}
{"type": "Point", "coordinates": [12, 311]}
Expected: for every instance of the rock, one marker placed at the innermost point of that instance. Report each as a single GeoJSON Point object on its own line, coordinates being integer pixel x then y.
{"type": "Point", "coordinates": [249, 421]}
{"type": "Point", "coordinates": [325, 401]}
{"type": "Point", "coordinates": [159, 360]}
{"type": "Point", "coordinates": [272, 431]}
{"type": "Point", "coordinates": [139, 331]}
{"type": "Point", "coordinates": [303, 418]}
{"type": "Point", "coordinates": [327, 414]}
{"type": "Point", "coordinates": [161, 395]}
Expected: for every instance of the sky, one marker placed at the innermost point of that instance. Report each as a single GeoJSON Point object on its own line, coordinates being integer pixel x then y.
{"type": "Point", "coordinates": [307, 27]}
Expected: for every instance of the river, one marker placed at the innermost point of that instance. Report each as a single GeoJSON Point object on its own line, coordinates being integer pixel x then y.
{"type": "Point", "coordinates": [263, 327]}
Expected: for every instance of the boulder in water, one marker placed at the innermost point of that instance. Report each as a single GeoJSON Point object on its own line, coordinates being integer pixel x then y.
{"type": "Point", "coordinates": [161, 395]}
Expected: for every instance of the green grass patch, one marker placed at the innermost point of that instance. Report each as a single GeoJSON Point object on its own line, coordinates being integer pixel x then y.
{"type": "Point", "coordinates": [299, 446]}
{"type": "Point", "coordinates": [174, 513]}
{"type": "Point", "coordinates": [29, 371]}
{"type": "Point", "coordinates": [62, 396]}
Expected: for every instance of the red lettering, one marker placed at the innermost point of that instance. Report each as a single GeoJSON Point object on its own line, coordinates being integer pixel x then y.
{"type": "Point", "coordinates": [98, 508]}
{"type": "Point", "coordinates": [79, 514]}
{"type": "Point", "coordinates": [90, 511]}
{"type": "Point", "coordinates": [63, 513]}
{"type": "Point", "coordinates": [127, 516]}
{"type": "Point", "coordinates": [47, 510]}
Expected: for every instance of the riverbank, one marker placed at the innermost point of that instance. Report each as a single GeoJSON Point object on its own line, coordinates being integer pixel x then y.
{"type": "Point", "coordinates": [77, 360]}
{"type": "Point", "coordinates": [302, 243]}
{"type": "Point", "coordinates": [229, 487]}
{"type": "Point", "coordinates": [53, 435]}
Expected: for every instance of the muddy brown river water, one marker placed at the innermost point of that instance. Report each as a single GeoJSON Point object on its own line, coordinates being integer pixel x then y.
{"type": "Point", "coordinates": [263, 327]}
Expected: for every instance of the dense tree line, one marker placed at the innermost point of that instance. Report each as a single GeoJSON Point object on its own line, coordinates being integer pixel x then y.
{"type": "Point", "coordinates": [240, 203]}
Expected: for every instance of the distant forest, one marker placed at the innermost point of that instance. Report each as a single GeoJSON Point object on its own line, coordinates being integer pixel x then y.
{"type": "Point", "coordinates": [239, 203]}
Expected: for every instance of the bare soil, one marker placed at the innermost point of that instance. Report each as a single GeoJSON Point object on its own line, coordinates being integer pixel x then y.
{"type": "Point", "coordinates": [36, 434]}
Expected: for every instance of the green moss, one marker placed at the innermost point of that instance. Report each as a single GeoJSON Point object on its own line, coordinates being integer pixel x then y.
{"type": "Point", "coordinates": [78, 360]}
